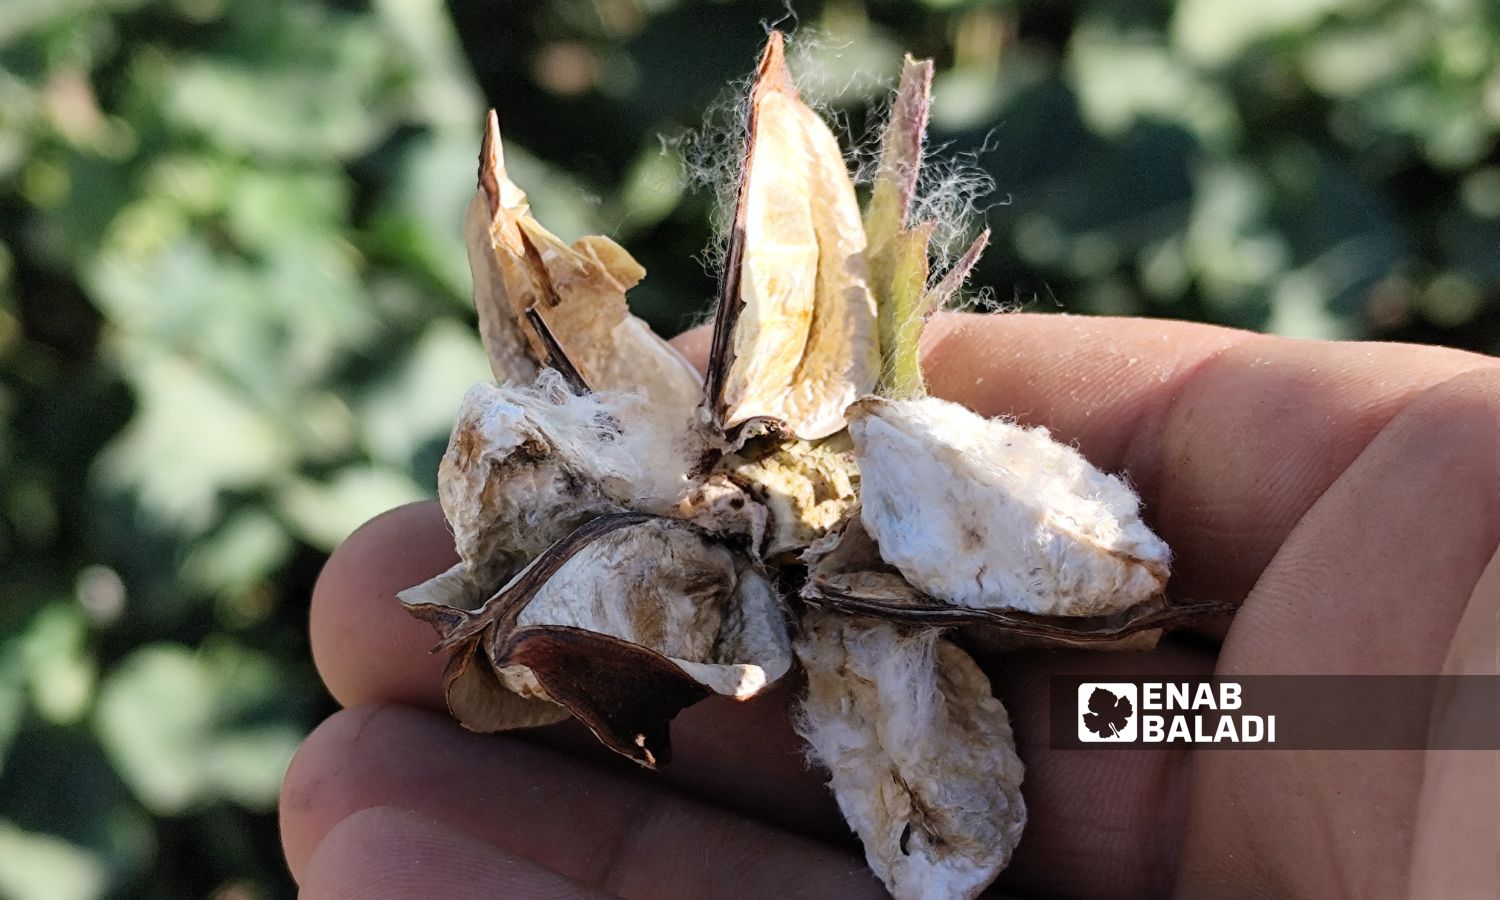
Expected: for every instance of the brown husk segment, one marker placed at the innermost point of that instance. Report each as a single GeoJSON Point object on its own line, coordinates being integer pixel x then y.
{"type": "Point", "coordinates": [579, 289]}
{"type": "Point", "coordinates": [624, 693]}
{"type": "Point", "coordinates": [621, 624]}
{"type": "Point", "coordinates": [794, 336]}
{"type": "Point", "coordinates": [473, 691]}
{"type": "Point", "coordinates": [489, 229]}
{"type": "Point", "coordinates": [553, 354]}
{"type": "Point", "coordinates": [890, 599]}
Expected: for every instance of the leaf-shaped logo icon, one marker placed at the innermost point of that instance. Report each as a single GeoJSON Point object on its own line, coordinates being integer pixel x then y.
{"type": "Point", "coordinates": [1108, 714]}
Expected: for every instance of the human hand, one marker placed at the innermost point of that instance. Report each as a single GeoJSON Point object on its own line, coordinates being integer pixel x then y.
{"type": "Point", "coordinates": [1348, 494]}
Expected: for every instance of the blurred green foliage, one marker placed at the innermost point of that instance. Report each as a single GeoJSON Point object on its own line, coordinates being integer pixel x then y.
{"type": "Point", "coordinates": [233, 298]}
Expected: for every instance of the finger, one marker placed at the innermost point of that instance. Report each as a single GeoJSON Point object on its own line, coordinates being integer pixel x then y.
{"type": "Point", "coordinates": [382, 853]}
{"type": "Point", "coordinates": [695, 344]}
{"type": "Point", "coordinates": [1456, 836]}
{"type": "Point", "coordinates": [621, 835]}
{"type": "Point", "coordinates": [1103, 822]}
{"type": "Point", "coordinates": [366, 647]}
{"type": "Point", "coordinates": [1375, 580]}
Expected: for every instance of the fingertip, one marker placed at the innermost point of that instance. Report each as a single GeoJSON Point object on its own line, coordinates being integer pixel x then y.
{"type": "Point", "coordinates": [389, 853]}
{"type": "Point", "coordinates": [366, 647]}
{"type": "Point", "coordinates": [307, 808]}
{"type": "Point", "coordinates": [694, 344]}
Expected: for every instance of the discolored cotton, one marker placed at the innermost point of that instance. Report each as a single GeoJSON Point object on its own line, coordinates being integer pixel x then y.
{"type": "Point", "coordinates": [985, 513]}
{"type": "Point", "coordinates": [919, 754]}
{"type": "Point", "coordinates": [528, 464]}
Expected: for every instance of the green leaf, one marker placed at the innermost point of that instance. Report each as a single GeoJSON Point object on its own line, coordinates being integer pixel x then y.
{"type": "Point", "coordinates": [46, 867]}
{"type": "Point", "coordinates": [414, 405]}
{"type": "Point", "coordinates": [60, 669]}
{"type": "Point", "coordinates": [324, 100]}
{"type": "Point", "coordinates": [186, 728]}
{"type": "Point", "coordinates": [326, 512]}
{"type": "Point", "coordinates": [166, 458]}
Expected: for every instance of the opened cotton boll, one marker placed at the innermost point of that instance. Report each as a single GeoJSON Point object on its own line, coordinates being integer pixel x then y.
{"type": "Point", "coordinates": [527, 465]}
{"type": "Point", "coordinates": [989, 514]}
{"type": "Point", "coordinates": [628, 534]}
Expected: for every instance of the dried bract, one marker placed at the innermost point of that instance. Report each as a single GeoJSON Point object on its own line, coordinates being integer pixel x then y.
{"type": "Point", "coordinates": [796, 322]}
{"type": "Point", "coordinates": [621, 624]}
{"type": "Point", "coordinates": [578, 289]}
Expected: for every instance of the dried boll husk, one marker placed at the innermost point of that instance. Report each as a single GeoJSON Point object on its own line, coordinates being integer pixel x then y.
{"type": "Point", "coordinates": [476, 695]}
{"type": "Point", "coordinates": [527, 464]}
{"type": "Point", "coordinates": [795, 335]}
{"type": "Point", "coordinates": [987, 514]}
{"type": "Point", "coordinates": [920, 754]}
{"type": "Point", "coordinates": [621, 624]}
{"type": "Point", "coordinates": [578, 289]}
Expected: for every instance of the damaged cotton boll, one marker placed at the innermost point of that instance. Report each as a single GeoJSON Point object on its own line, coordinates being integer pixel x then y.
{"type": "Point", "coordinates": [621, 624]}
{"type": "Point", "coordinates": [623, 555]}
{"type": "Point", "coordinates": [526, 465]}
{"type": "Point", "coordinates": [986, 513]}
{"type": "Point", "coordinates": [920, 754]}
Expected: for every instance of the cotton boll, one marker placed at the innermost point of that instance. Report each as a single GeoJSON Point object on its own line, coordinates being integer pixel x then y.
{"type": "Point", "coordinates": [920, 754]}
{"type": "Point", "coordinates": [988, 514]}
{"type": "Point", "coordinates": [527, 465]}
{"type": "Point", "coordinates": [669, 588]}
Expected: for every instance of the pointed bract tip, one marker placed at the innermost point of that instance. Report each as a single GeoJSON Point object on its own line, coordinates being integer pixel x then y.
{"type": "Point", "coordinates": [773, 74]}
{"type": "Point", "coordinates": [491, 161]}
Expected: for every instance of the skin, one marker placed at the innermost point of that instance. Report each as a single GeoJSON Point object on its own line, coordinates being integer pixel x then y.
{"type": "Point", "coordinates": [1347, 494]}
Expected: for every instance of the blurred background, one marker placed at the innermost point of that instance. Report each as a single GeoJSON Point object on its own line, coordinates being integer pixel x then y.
{"type": "Point", "coordinates": [234, 316]}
